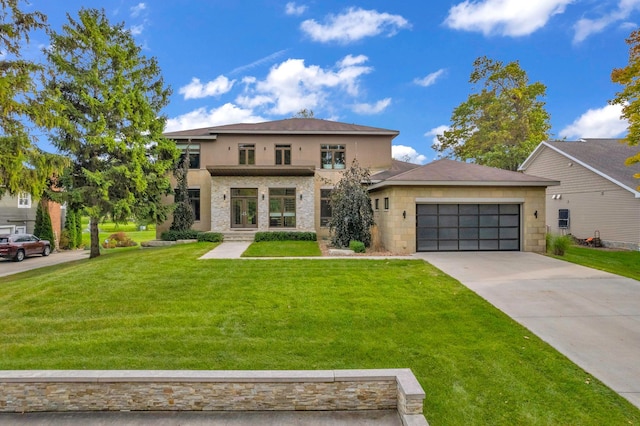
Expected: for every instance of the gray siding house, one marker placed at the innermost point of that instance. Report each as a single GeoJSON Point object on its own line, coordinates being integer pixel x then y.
{"type": "Point", "coordinates": [598, 193]}
{"type": "Point", "coordinates": [17, 214]}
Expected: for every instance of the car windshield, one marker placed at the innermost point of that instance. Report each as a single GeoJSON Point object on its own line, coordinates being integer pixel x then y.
{"type": "Point", "coordinates": [4, 240]}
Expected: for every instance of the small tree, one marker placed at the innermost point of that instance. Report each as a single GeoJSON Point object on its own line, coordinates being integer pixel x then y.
{"type": "Point", "coordinates": [352, 215]}
{"type": "Point", "coordinates": [70, 229]}
{"type": "Point", "coordinates": [183, 216]}
{"type": "Point", "coordinates": [43, 228]}
{"type": "Point", "coordinates": [78, 234]}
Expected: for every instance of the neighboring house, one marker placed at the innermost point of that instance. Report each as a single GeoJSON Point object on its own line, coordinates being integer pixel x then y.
{"type": "Point", "coordinates": [279, 175]}
{"type": "Point", "coordinates": [597, 193]}
{"type": "Point", "coordinates": [18, 215]}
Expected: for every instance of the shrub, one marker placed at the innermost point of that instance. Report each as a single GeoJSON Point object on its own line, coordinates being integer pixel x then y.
{"type": "Point", "coordinates": [211, 237]}
{"type": "Point", "coordinates": [78, 242]}
{"type": "Point", "coordinates": [173, 235]}
{"type": "Point", "coordinates": [559, 244]}
{"type": "Point", "coordinates": [357, 246]}
{"type": "Point", "coordinates": [42, 228]}
{"type": "Point", "coordinates": [70, 230]}
{"type": "Point", "coordinates": [119, 239]}
{"type": "Point", "coordinates": [65, 240]}
{"type": "Point", "coordinates": [285, 236]}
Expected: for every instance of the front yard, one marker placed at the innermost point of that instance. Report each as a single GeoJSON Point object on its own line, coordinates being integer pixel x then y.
{"type": "Point", "coordinates": [164, 309]}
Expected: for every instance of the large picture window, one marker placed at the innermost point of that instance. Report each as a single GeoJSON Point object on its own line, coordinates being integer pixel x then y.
{"type": "Point", "coordinates": [325, 207]}
{"type": "Point", "coordinates": [194, 154]}
{"type": "Point", "coordinates": [332, 156]}
{"type": "Point", "coordinates": [283, 155]}
{"type": "Point", "coordinates": [282, 207]}
{"type": "Point", "coordinates": [247, 153]}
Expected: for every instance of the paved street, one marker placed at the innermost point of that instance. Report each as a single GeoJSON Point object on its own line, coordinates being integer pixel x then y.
{"type": "Point", "coordinates": [9, 267]}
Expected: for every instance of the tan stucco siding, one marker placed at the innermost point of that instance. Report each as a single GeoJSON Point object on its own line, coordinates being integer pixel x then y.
{"type": "Point", "coordinates": [594, 202]}
{"type": "Point", "coordinates": [398, 233]}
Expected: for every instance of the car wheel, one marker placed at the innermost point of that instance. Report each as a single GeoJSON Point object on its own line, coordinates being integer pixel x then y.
{"type": "Point", "coordinates": [46, 251]}
{"type": "Point", "coordinates": [19, 256]}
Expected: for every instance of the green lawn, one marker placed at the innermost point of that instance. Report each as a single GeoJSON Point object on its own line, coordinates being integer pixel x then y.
{"type": "Point", "coordinates": [108, 228]}
{"type": "Point", "coordinates": [625, 263]}
{"type": "Point", "coordinates": [283, 249]}
{"type": "Point", "coordinates": [164, 309]}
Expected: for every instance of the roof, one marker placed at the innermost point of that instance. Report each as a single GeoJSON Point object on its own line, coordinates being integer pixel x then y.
{"type": "Point", "coordinates": [397, 167]}
{"type": "Point", "coordinates": [604, 157]}
{"type": "Point", "coordinates": [297, 126]}
{"type": "Point", "coordinates": [455, 173]}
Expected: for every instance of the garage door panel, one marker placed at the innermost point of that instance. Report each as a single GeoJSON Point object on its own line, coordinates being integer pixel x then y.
{"type": "Point", "coordinates": [467, 227]}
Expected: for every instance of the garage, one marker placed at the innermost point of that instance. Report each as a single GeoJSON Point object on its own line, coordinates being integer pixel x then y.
{"type": "Point", "coordinates": [468, 227]}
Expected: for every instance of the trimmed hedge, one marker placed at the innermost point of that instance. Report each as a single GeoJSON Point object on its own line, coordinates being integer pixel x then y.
{"type": "Point", "coordinates": [285, 236]}
{"type": "Point", "coordinates": [211, 237]}
{"type": "Point", "coordinates": [357, 246]}
{"type": "Point", "coordinates": [189, 234]}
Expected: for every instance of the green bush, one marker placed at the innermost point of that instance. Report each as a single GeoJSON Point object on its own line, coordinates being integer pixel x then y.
{"type": "Point", "coordinates": [211, 237]}
{"type": "Point", "coordinates": [65, 240]}
{"type": "Point", "coordinates": [119, 239]}
{"type": "Point", "coordinates": [558, 244]}
{"type": "Point", "coordinates": [172, 235]}
{"type": "Point", "coordinates": [357, 246]}
{"type": "Point", "coordinates": [285, 236]}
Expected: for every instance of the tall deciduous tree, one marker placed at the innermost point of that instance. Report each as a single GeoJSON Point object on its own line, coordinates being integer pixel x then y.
{"type": "Point", "coordinates": [23, 166]}
{"type": "Point", "coordinates": [352, 215]}
{"type": "Point", "coordinates": [104, 99]}
{"type": "Point", "coordinates": [501, 124]}
{"type": "Point", "coordinates": [629, 97]}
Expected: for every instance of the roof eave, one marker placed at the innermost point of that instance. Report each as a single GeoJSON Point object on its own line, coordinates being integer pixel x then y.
{"type": "Point", "coordinates": [464, 183]}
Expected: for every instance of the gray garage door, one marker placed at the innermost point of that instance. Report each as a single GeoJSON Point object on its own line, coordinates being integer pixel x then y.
{"type": "Point", "coordinates": [467, 227]}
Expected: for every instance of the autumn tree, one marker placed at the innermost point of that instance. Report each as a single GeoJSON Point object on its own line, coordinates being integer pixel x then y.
{"type": "Point", "coordinates": [352, 215]}
{"type": "Point", "coordinates": [104, 100]}
{"type": "Point", "coordinates": [629, 97]}
{"type": "Point", "coordinates": [500, 124]}
{"type": "Point", "coordinates": [23, 166]}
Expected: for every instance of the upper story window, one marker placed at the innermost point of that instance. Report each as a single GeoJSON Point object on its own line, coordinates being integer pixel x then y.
{"type": "Point", "coordinates": [24, 200]}
{"type": "Point", "coordinates": [283, 154]}
{"type": "Point", "coordinates": [247, 153]}
{"type": "Point", "coordinates": [332, 156]}
{"type": "Point", "coordinates": [194, 154]}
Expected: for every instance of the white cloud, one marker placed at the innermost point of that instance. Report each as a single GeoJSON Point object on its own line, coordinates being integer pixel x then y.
{"type": "Point", "coordinates": [291, 85]}
{"type": "Point", "coordinates": [429, 79]}
{"type": "Point", "coordinates": [226, 114]}
{"type": "Point", "coordinates": [136, 29]}
{"type": "Point", "coordinates": [353, 25]}
{"type": "Point", "coordinates": [369, 109]}
{"type": "Point", "coordinates": [293, 9]}
{"type": "Point", "coordinates": [408, 154]}
{"type": "Point", "coordinates": [585, 27]}
{"type": "Point", "coordinates": [435, 132]}
{"type": "Point", "coordinates": [505, 17]}
{"type": "Point", "coordinates": [597, 123]}
{"type": "Point", "coordinates": [137, 9]}
{"type": "Point", "coordinates": [260, 61]}
{"type": "Point", "coordinates": [196, 89]}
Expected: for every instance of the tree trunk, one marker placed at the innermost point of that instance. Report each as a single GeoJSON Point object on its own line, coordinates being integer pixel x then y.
{"type": "Point", "coordinates": [95, 237]}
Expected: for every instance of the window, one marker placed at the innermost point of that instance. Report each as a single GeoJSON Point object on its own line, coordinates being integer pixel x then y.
{"type": "Point", "coordinates": [377, 204]}
{"type": "Point", "coordinates": [386, 203]}
{"type": "Point", "coordinates": [194, 199]}
{"type": "Point", "coordinates": [332, 156]}
{"type": "Point", "coordinates": [283, 154]}
{"type": "Point", "coordinates": [325, 207]}
{"type": "Point", "coordinates": [563, 218]}
{"type": "Point", "coordinates": [194, 154]}
{"type": "Point", "coordinates": [24, 200]}
{"type": "Point", "coordinates": [247, 153]}
{"type": "Point", "coordinates": [282, 207]}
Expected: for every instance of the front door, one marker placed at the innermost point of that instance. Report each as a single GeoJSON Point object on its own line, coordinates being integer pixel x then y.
{"type": "Point", "coordinates": [244, 208]}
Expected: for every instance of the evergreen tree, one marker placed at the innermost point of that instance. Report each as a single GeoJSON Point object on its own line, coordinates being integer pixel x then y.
{"type": "Point", "coordinates": [70, 228]}
{"type": "Point", "coordinates": [352, 215]}
{"type": "Point", "coordinates": [43, 228]}
{"type": "Point", "coordinates": [78, 233]}
{"type": "Point", "coordinates": [183, 216]}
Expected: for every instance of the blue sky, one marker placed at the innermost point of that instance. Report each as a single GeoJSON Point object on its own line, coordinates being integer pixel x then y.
{"type": "Point", "coordinates": [401, 65]}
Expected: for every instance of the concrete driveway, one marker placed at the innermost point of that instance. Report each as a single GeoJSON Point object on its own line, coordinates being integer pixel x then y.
{"type": "Point", "coordinates": [9, 267]}
{"type": "Point", "coordinates": [590, 316]}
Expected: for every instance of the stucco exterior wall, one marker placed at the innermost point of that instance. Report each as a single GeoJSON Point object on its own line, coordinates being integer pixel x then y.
{"type": "Point", "coordinates": [398, 233]}
{"type": "Point", "coordinates": [594, 203]}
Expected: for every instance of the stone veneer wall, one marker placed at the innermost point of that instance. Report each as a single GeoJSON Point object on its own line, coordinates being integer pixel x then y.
{"type": "Point", "coordinates": [221, 200]}
{"type": "Point", "coordinates": [105, 390]}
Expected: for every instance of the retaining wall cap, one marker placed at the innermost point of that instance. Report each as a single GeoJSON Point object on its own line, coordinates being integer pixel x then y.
{"type": "Point", "coordinates": [414, 420]}
{"type": "Point", "coordinates": [409, 384]}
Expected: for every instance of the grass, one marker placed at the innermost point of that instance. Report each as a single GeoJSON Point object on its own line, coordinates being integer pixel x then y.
{"type": "Point", "coordinates": [108, 228]}
{"type": "Point", "coordinates": [283, 249]}
{"type": "Point", "coordinates": [624, 263]}
{"type": "Point", "coordinates": [476, 365]}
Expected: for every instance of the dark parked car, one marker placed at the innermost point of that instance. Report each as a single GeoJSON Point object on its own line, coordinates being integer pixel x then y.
{"type": "Point", "coordinates": [19, 246]}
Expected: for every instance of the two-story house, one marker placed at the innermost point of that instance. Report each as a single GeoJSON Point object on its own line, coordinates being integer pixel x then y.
{"type": "Point", "coordinates": [18, 214]}
{"type": "Point", "coordinates": [278, 175]}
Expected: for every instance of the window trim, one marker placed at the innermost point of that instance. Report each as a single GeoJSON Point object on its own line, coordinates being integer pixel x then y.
{"type": "Point", "coordinates": [245, 157]}
{"type": "Point", "coordinates": [283, 149]}
{"type": "Point", "coordinates": [331, 150]}
{"type": "Point", "coordinates": [386, 203]}
{"type": "Point", "coordinates": [324, 220]}
{"type": "Point", "coordinates": [283, 214]}
{"type": "Point", "coordinates": [194, 153]}
{"type": "Point", "coordinates": [24, 200]}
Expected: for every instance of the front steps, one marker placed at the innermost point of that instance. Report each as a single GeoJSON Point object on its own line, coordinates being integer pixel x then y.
{"type": "Point", "coordinates": [239, 235]}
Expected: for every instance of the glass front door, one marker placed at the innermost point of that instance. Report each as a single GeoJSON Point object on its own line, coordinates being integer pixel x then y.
{"type": "Point", "coordinates": [244, 208]}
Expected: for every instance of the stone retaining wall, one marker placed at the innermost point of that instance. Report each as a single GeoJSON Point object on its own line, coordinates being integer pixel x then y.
{"type": "Point", "coordinates": [177, 390]}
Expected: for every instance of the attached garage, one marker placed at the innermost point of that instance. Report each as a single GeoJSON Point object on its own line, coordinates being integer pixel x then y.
{"type": "Point", "coordinates": [467, 227]}
{"type": "Point", "coordinates": [449, 205]}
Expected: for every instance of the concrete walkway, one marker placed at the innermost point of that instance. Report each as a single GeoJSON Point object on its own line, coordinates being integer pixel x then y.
{"type": "Point", "coordinates": [590, 316]}
{"type": "Point", "coordinates": [227, 250]}
{"type": "Point", "coordinates": [9, 267]}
